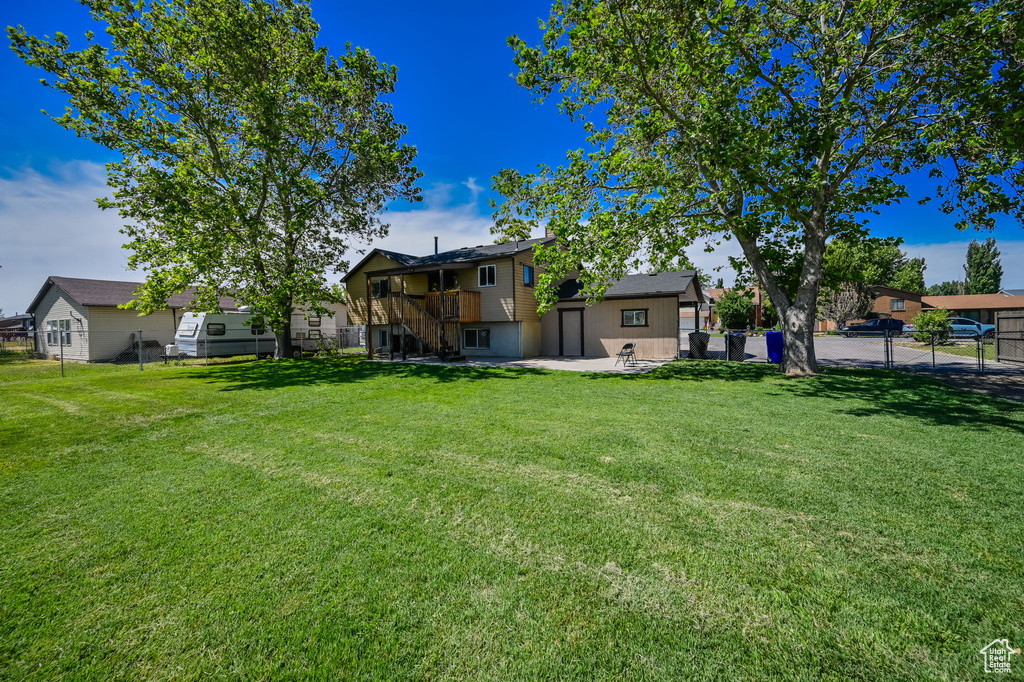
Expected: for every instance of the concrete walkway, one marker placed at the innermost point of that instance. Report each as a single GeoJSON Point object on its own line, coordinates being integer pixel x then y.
{"type": "Point", "coordinates": [559, 363]}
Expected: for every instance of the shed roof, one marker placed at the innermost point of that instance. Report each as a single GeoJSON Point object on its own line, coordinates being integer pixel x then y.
{"type": "Point", "coordinates": [633, 286]}
{"type": "Point", "coordinates": [111, 293]}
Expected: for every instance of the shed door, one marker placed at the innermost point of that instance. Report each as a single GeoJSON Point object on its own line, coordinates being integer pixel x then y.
{"type": "Point", "coordinates": [570, 326]}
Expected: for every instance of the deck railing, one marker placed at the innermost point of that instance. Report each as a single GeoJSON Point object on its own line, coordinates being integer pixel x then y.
{"type": "Point", "coordinates": [442, 337]}
{"type": "Point", "coordinates": [456, 305]}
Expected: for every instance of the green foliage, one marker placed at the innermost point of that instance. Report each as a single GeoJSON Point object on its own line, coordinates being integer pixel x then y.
{"type": "Point", "coordinates": [868, 260]}
{"type": "Point", "coordinates": [910, 276]}
{"type": "Point", "coordinates": [251, 159]}
{"type": "Point", "coordinates": [955, 288]}
{"type": "Point", "coordinates": [847, 301]}
{"type": "Point", "coordinates": [983, 271]}
{"type": "Point", "coordinates": [776, 127]}
{"type": "Point", "coordinates": [932, 323]}
{"type": "Point", "coordinates": [735, 308]}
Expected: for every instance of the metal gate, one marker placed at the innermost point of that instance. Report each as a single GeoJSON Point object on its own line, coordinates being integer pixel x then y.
{"type": "Point", "coordinates": [1010, 336]}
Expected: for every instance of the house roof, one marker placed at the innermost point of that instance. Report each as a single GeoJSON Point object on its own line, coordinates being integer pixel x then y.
{"type": "Point", "coordinates": [467, 254]}
{"type": "Point", "coordinates": [633, 286]}
{"type": "Point", "coordinates": [975, 302]}
{"type": "Point", "coordinates": [110, 293]}
{"type": "Point", "coordinates": [717, 293]}
{"type": "Point", "coordinates": [888, 291]}
{"type": "Point", "coordinates": [1012, 292]}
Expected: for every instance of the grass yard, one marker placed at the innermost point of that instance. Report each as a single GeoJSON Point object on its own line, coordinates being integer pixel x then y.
{"type": "Point", "coordinates": [967, 350]}
{"type": "Point", "coordinates": [341, 519]}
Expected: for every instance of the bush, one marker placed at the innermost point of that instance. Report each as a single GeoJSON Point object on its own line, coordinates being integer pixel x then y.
{"type": "Point", "coordinates": [734, 309]}
{"type": "Point", "coordinates": [931, 323]}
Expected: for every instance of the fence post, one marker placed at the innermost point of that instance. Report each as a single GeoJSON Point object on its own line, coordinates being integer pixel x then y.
{"type": "Point", "coordinates": [60, 334]}
{"type": "Point", "coordinates": [933, 349]}
{"type": "Point", "coordinates": [257, 343]}
{"type": "Point", "coordinates": [140, 350]}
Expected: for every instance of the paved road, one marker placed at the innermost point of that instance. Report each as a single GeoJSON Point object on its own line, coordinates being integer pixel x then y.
{"type": "Point", "coordinates": [866, 351]}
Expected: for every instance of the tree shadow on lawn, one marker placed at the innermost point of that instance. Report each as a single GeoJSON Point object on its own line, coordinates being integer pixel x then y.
{"type": "Point", "coordinates": [267, 375]}
{"type": "Point", "coordinates": [859, 392]}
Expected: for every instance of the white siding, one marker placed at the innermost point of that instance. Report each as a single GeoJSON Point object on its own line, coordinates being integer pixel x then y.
{"type": "Point", "coordinates": [112, 330]}
{"type": "Point", "coordinates": [56, 305]}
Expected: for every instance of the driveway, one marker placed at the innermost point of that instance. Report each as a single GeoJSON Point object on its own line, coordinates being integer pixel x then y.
{"type": "Point", "coordinates": [559, 363]}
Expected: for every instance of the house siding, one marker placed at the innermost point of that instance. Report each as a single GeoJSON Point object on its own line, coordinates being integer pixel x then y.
{"type": "Point", "coordinates": [113, 330]}
{"type": "Point", "coordinates": [358, 295]}
{"type": "Point", "coordinates": [496, 301]}
{"type": "Point", "coordinates": [56, 305]}
{"type": "Point", "coordinates": [525, 297]}
{"type": "Point", "coordinates": [604, 335]}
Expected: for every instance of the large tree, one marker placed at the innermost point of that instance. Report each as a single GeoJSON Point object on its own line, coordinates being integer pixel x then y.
{"type": "Point", "coordinates": [252, 159]}
{"type": "Point", "coordinates": [777, 124]}
{"type": "Point", "coordinates": [983, 271]}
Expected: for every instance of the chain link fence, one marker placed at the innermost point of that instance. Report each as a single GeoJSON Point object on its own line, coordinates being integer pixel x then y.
{"type": "Point", "coordinates": [924, 352]}
{"type": "Point", "coordinates": [69, 351]}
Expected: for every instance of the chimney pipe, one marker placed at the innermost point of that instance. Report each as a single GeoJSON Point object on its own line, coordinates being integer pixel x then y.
{"type": "Point", "coordinates": [435, 246]}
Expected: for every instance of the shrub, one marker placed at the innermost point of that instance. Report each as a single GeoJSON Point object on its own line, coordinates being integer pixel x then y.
{"type": "Point", "coordinates": [932, 322]}
{"type": "Point", "coordinates": [734, 309]}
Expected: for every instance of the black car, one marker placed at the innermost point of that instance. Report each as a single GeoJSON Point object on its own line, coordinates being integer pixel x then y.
{"type": "Point", "coordinates": [879, 325]}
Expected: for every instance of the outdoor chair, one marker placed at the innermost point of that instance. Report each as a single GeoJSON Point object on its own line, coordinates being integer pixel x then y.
{"type": "Point", "coordinates": [627, 354]}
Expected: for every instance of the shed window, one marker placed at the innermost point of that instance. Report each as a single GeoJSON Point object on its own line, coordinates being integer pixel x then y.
{"type": "Point", "coordinates": [314, 322]}
{"type": "Point", "coordinates": [58, 332]}
{"type": "Point", "coordinates": [379, 288]}
{"type": "Point", "coordinates": [215, 329]}
{"type": "Point", "coordinates": [487, 275]}
{"type": "Point", "coordinates": [476, 338]}
{"type": "Point", "coordinates": [897, 304]}
{"type": "Point", "coordinates": [634, 318]}
{"type": "Point", "coordinates": [528, 276]}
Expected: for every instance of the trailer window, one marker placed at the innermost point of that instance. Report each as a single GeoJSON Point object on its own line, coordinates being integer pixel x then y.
{"type": "Point", "coordinates": [314, 322]}
{"type": "Point", "coordinates": [315, 334]}
{"type": "Point", "coordinates": [257, 331]}
{"type": "Point", "coordinates": [188, 329]}
{"type": "Point", "coordinates": [215, 329]}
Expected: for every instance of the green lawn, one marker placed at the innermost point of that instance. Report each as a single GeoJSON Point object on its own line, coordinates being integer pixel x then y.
{"type": "Point", "coordinates": [340, 519]}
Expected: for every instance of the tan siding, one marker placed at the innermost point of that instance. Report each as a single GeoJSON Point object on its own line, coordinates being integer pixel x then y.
{"type": "Point", "coordinates": [604, 335]}
{"type": "Point", "coordinates": [357, 293]}
{"type": "Point", "coordinates": [526, 297]}
{"type": "Point", "coordinates": [531, 340]}
{"type": "Point", "coordinates": [496, 301]}
{"type": "Point", "coordinates": [57, 306]}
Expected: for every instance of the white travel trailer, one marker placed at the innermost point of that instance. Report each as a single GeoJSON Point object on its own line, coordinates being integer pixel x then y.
{"type": "Point", "coordinates": [219, 335]}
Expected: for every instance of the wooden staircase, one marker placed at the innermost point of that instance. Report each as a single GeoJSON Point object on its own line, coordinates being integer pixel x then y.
{"type": "Point", "coordinates": [440, 336]}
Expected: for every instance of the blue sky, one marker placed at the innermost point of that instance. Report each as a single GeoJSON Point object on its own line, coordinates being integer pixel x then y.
{"type": "Point", "coordinates": [455, 93]}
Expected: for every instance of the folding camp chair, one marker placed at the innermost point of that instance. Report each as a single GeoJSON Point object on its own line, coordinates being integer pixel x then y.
{"type": "Point", "coordinates": [627, 354]}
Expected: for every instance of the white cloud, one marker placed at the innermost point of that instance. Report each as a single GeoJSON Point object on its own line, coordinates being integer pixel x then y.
{"type": "Point", "coordinates": [945, 261]}
{"type": "Point", "coordinates": [50, 225]}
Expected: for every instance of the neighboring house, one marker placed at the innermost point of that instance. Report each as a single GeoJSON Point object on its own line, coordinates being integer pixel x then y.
{"type": "Point", "coordinates": [898, 303]}
{"type": "Point", "coordinates": [15, 324]}
{"type": "Point", "coordinates": [480, 301]}
{"type": "Point", "coordinates": [1012, 292]}
{"type": "Point", "coordinates": [978, 307]}
{"type": "Point", "coordinates": [756, 313]}
{"type": "Point", "coordinates": [82, 315]}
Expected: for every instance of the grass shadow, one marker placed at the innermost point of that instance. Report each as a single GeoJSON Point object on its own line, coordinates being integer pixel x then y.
{"type": "Point", "coordinates": [268, 375]}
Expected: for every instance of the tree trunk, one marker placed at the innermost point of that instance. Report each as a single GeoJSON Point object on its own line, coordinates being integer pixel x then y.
{"type": "Point", "coordinates": [284, 341]}
{"type": "Point", "coordinates": [798, 341]}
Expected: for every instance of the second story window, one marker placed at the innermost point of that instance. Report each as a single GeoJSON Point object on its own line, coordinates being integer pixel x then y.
{"type": "Point", "coordinates": [897, 304]}
{"type": "Point", "coordinates": [488, 275]}
{"type": "Point", "coordinates": [528, 276]}
{"type": "Point", "coordinates": [379, 288]}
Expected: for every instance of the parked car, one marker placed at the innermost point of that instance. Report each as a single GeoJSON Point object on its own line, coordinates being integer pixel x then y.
{"type": "Point", "coordinates": [879, 326]}
{"type": "Point", "coordinates": [967, 328]}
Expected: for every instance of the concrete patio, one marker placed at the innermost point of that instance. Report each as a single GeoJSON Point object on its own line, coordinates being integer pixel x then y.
{"type": "Point", "coordinates": [558, 363]}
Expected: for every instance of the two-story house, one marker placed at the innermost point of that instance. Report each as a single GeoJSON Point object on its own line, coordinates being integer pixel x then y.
{"type": "Point", "coordinates": [480, 301]}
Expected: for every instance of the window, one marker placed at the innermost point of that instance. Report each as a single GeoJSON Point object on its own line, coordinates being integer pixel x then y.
{"type": "Point", "coordinates": [58, 332]}
{"type": "Point", "coordinates": [487, 275]}
{"type": "Point", "coordinates": [528, 276]}
{"type": "Point", "coordinates": [379, 288]}
{"type": "Point", "coordinates": [300, 336]}
{"type": "Point", "coordinates": [634, 318]}
{"type": "Point", "coordinates": [315, 334]}
{"type": "Point", "coordinates": [255, 330]}
{"type": "Point", "coordinates": [476, 338]}
{"type": "Point", "coordinates": [314, 322]}
{"type": "Point", "coordinates": [897, 304]}
{"type": "Point", "coordinates": [215, 329]}
{"type": "Point", "coordinates": [188, 329]}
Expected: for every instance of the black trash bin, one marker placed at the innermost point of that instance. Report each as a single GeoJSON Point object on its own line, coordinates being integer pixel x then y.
{"type": "Point", "coordinates": [735, 346]}
{"type": "Point", "coordinates": [699, 345]}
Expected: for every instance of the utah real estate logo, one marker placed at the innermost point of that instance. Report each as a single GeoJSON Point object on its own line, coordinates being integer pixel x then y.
{"type": "Point", "coordinates": [997, 656]}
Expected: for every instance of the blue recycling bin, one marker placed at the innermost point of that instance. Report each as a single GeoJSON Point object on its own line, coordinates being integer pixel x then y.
{"type": "Point", "coordinates": [774, 342]}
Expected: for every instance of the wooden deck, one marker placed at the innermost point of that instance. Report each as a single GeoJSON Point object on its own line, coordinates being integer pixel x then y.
{"type": "Point", "coordinates": [457, 305]}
